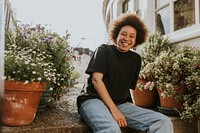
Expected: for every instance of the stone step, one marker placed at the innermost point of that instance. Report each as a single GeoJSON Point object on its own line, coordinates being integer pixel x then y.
{"type": "Point", "coordinates": [56, 120]}
{"type": "Point", "coordinates": [63, 121]}
{"type": "Point", "coordinates": [63, 118]}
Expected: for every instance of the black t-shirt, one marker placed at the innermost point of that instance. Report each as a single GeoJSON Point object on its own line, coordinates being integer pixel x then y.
{"type": "Point", "coordinates": [120, 71]}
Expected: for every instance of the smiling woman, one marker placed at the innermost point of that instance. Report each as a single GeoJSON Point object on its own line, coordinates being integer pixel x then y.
{"type": "Point", "coordinates": [113, 70]}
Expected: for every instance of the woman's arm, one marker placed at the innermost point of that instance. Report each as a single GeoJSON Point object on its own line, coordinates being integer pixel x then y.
{"type": "Point", "coordinates": [105, 97]}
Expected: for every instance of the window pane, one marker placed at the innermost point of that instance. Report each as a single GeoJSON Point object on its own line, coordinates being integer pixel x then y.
{"type": "Point", "coordinates": [184, 14]}
{"type": "Point", "coordinates": [163, 21]}
{"type": "Point", "coordinates": [161, 2]}
{"type": "Point", "coordinates": [125, 6]}
{"type": "Point", "coordinates": [143, 9]}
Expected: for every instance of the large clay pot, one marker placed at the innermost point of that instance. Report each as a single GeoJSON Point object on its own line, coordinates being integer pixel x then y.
{"type": "Point", "coordinates": [145, 98]}
{"type": "Point", "coordinates": [170, 102]}
{"type": "Point", "coordinates": [20, 102]}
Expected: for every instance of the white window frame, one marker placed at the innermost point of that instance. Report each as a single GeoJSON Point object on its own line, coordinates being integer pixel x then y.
{"type": "Point", "coordinates": [179, 35]}
{"type": "Point", "coordinates": [188, 32]}
{"type": "Point", "coordinates": [119, 4]}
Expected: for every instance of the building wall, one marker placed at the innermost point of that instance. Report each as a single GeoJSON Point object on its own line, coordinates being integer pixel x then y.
{"type": "Point", "coordinates": [7, 20]}
{"type": "Point", "coordinates": [1, 45]}
{"type": "Point", "coordinates": [147, 10]}
{"type": "Point", "coordinates": [9, 16]}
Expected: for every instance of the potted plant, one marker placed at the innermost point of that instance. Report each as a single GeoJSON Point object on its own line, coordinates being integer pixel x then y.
{"type": "Point", "coordinates": [191, 104]}
{"type": "Point", "coordinates": [177, 78]}
{"type": "Point", "coordinates": [149, 50]}
{"type": "Point", "coordinates": [33, 55]}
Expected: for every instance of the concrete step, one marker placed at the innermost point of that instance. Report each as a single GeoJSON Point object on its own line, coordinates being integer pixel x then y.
{"type": "Point", "coordinates": [63, 118]}
{"type": "Point", "coordinates": [56, 120]}
{"type": "Point", "coordinates": [63, 121]}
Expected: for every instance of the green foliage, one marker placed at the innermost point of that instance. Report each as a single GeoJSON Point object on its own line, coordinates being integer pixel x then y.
{"type": "Point", "coordinates": [33, 53]}
{"type": "Point", "coordinates": [180, 67]}
{"type": "Point", "coordinates": [151, 49]}
{"type": "Point", "coordinates": [166, 68]}
{"type": "Point", "coordinates": [75, 75]}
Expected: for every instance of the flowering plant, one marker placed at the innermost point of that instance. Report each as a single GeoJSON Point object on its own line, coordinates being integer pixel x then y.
{"type": "Point", "coordinates": [176, 67]}
{"type": "Point", "coordinates": [151, 49]}
{"type": "Point", "coordinates": [33, 53]}
{"type": "Point", "coordinates": [150, 85]}
{"type": "Point", "coordinates": [180, 67]}
{"type": "Point", "coordinates": [192, 98]}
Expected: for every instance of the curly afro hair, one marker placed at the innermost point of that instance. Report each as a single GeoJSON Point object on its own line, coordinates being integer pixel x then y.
{"type": "Point", "coordinates": [128, 19]}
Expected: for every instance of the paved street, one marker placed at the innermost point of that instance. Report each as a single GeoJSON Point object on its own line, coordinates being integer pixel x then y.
{"type": "Point", "coordinates": [80, 66]}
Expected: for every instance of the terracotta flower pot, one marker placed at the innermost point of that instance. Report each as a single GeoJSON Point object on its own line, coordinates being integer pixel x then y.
{"type": "Point", "coordinates": [170, 102]}
{"type": "Point", "coordinates": [145, 98]}
{"type": "Point", "coordinates": [20, 102]}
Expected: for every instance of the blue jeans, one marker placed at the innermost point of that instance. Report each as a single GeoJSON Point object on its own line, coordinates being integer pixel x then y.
{"type": "Point", "coordinates": [98, 117]}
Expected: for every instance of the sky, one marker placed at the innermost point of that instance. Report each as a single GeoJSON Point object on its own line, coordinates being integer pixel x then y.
{"type": "Point", "coordinates": [82, 19]}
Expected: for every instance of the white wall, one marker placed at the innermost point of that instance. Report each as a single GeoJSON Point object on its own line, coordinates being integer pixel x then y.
{"type": "Point", "coordinates": [1, 46]}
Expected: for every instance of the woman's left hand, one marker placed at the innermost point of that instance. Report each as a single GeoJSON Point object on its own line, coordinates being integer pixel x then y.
{"type": "Point", "coordinates": [119, 117]}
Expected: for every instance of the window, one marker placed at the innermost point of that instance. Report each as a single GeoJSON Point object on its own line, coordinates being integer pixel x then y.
{"type": "Point", "coordinates": [162, 16]}
{"type": "Point", "coordinates": [174, 15]}
{"type": "Point", "coordinates": [125, 6]}
{"type": "Point", "coordinates": [163, 21]}
{"type": "Point", "coordinates": [161, 2]}
{"type": "Point", "coordinates": [143, 9]}
{"type": "Point", "coordinates": [184, 14]}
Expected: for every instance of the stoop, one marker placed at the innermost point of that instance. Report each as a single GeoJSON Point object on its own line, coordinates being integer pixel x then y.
{"type": "Point", "coordinates": [59, 120]}
{"type": "Point", "coordinates": [63, 118]}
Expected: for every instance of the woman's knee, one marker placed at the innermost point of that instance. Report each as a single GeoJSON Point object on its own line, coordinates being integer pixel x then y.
{"type": "Point", "coordinates": [107, 128]}
{"type": "Point", "coordinates": [167, 121]}
{"type": "Point", "coordinates": [163, 125]}
{"type": "Point", "coordinates": [166, 125]}
{"type": "Point", "coordinates": [114, 128]}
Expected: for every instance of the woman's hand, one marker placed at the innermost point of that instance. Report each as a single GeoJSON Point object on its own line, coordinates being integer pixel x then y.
{"type": "Point", "coordinates": [119, 117]}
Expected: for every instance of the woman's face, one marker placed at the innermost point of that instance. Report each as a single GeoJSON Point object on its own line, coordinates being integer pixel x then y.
{"type": "Point", "coordinates": [126, 38]}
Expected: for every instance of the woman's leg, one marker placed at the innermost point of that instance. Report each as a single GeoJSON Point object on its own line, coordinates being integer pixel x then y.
{"type": "Point", "coordinates": [145, 119]}
{"type": "Point", "coordinates": [98, 117]}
